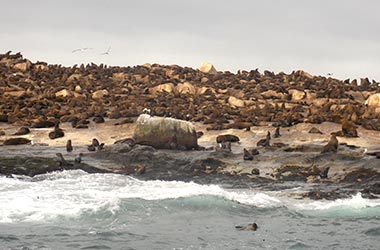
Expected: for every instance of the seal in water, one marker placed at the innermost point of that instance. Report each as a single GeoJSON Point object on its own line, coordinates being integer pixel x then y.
{"type": "Point", "coordinates": [69, 146]}
{"type": "Point", "coordinates": [331, 146]}
{"type": "Point", "coordinates": [251, 227]}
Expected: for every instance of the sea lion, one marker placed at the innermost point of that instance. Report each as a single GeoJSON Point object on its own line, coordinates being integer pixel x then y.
{"type": "Point", "coordinates": [324, 172]}
{"type": "Point", "coordinates": [16, 141]}
{"type": "Point", "coordinates": [349, 129]}
{"type": "Point", "coordinates": [98, 119]}
{"type": "Point", "coordinates": [57, 132]}
{"type": "Point", "coordinates": [264, 142]}
{"type": "Point", "coordinates": [223, 146]}
{"type": "Point", "coordinates": [22, 131]}
{"type": "Point", "coordinates": [62, 162]}
{"type": "Point", "coordinates": [247, 155]}
{"type": "Point", "coordinates": [251, 227]}
{"type": "Point", "coordinates": [78, 159]}
{"type": "Point", "coordinates": [91, 148]}
{"type": "Point", "coordinates": [314, 130]}
{"type": "Point", "coordinates": [331, 146]}
{"type": "Point", "coordinates": [277, 133]}
{"type": "Point", "coordinates": [2, 132]}
{"type": "Point", "coordinates": [140, 169]}
{"type": "Point", "coordinates": [95, 142]}
{"type": "Point", "coordinates": [69, 146]}
{"type": "Point", "coordinates": [227, 138]}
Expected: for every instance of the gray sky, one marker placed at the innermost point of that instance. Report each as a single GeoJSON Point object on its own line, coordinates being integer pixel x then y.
{"type": "Point", "coordinates": [319, 36]}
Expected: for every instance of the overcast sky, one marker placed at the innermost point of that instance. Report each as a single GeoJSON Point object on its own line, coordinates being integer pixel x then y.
{"type": "Point", "coordinates": [319, 36]}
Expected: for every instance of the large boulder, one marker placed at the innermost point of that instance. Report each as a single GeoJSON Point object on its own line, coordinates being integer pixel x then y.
{"type": "Point", "coordinates": [165, 133]}
{"type": "Point", "coordinates": [208, 68]}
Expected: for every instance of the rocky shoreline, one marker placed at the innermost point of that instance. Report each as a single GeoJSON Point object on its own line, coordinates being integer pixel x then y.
{"type": "Point", "coordinates": [102, 102]}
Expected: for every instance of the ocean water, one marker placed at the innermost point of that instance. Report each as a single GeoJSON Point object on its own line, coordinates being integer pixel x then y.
{"type": "Point", "coordinates": [76, 210]}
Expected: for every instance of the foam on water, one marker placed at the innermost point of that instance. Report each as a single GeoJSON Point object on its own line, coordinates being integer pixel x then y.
{"type": "Point", "coordinates": [71, 193]}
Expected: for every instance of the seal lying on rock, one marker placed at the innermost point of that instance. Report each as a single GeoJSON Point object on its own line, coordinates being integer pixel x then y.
{"type": "Point", "coordinates": [331, 146]}
{"type": "Point", "coordinates": [247, 155]}
{"type": "Point", "coordinates": [16, 141]}
{"type": "Point", "coordinates": [22, 131]}
{"type": "Point", "coordinates": [57, 132]}
{"type": "Point", "coordinates": [265, 142]}
{"type": "Point", "coordinates": [227, 137]}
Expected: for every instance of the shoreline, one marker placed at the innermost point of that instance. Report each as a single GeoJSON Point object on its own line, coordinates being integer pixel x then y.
{"type": "Point", "coordinates": [288, 165]}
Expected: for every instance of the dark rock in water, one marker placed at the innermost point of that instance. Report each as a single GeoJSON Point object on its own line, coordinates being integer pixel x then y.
{"type": "Point", "coordinates": [16, 141]}
{"type": "Point", "coordinates": [22, 131]}
{"type": "Point", "coordinates": [227, 138]}
{"type": "Point", "coordinates": [361, 175]}
{"type": "Point", "coordinates": [314, 130]}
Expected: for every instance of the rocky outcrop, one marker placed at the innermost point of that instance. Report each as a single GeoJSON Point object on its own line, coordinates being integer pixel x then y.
{"type": "Point", "coordinates": [165, 133]}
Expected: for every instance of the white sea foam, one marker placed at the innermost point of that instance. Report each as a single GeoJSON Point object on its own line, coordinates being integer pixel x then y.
{"type": "Point", "coordinates": [71, 193]}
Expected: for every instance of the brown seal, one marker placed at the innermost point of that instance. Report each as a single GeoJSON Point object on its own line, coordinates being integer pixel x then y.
{"type": "Point", "coordinates": [247, 155]}
{"type": "Point", "coordinates": [16, 141]}
{"type": "Point", "coordinates": [251, 227]}
{"type": "Point", "coordinates": [227, 138]}
{"type": "Point", "coordinates": [69, 146]}
{"type": "Point", "coordinates": [265, 142]}
{"type": "Point", "coordinates": [277, 133]}
{"type": "Point", "coordinates": [331, 146]}
{"type": "Point", "coordinates": [57, 132]}
{"type": "Point", "coordinates": [22, 131]}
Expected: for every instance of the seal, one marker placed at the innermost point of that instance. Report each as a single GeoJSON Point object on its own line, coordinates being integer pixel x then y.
{"type": "Point", "coordinates": [22, 131]}
{"type": "Point", "coordinates": [277, 133]}
{"type": "Point", "coordinates": [331, 146]}
{"type": "Point", "coordinates": [62, 162]}
{"type": "Point", "coordinates": [16, 141]}
{"type": "Point", "coordinates": [78, 159]}
{"type": "Point", "coordinates": [57, 132]}
{"type": "Point", "coordinates": [227, 138]}
{"type": "Point", "coordinates": [247, 155]}
{"type": "Point", "coordinates": [69, 146]}
{"type": "Point", "coordinates": [250, 227]}
{"type": "Point", "coordinates": [265, 142]}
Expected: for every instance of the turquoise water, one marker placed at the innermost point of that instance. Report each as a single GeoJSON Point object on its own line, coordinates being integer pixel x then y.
{"type": "Point", "coordinates": [76, 210]}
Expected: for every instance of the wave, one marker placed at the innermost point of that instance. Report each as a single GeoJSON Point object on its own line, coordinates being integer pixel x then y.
{"type": "Point", "coordinates": [72, 193]}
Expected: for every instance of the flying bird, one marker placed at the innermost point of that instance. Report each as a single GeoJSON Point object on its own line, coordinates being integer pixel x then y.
{"type": "Point", "coordinates": [80, 50]}
{"type": "Point", "coordinates": [107, 52]}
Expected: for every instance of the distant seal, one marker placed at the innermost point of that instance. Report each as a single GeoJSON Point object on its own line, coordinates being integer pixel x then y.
{"type": "Point", "coordinates": [78, 159]}
{"type": "Point", "coordinates": [69, 146]}
{"type": "Point", "coordinates": [57, 132]}
{"type": "Point", "coordinates": [62, 162]}
{"type": "Point", "coordinates": [227, 138]}
{"type": "Point", "coordinates": [247, 155]}
{"type": "Point", "coordinates": [265, 142]}
{"type": "Point", "coordinates": [277, 133]}
{"type": "Point", "coordinates": [331, 146]}
{"type": "Point", "coordinates": [251, 227]}
{"type": "Point", "coordinates": [22, 131]}
{"type": "Point", "coordinates": [16, 141]}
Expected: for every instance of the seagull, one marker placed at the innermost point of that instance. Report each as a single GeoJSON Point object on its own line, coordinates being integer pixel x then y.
{"type": "Point", "coordinates": [107, 52]}
{"type": "Point", "coordinates": [80, 50]}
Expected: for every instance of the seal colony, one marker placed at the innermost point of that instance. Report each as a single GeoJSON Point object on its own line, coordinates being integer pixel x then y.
{"type": "Point", "coordinates": [238, 113]}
